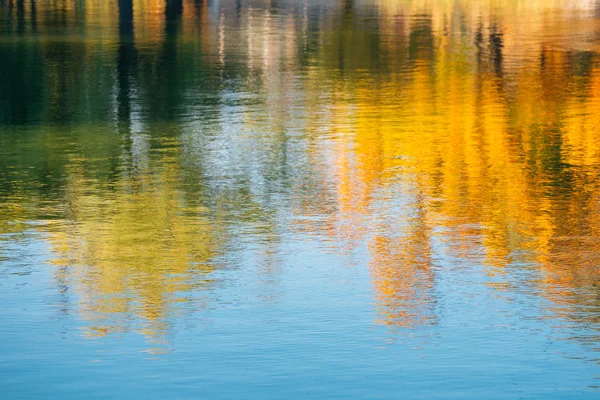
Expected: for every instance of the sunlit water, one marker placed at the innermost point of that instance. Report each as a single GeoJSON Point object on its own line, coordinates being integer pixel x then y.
{"type": "Point", "coordinates": [285, 199]}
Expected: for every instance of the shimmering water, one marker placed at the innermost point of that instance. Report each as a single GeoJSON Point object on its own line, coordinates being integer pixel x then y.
{"type": "Point", "coordinates": [300, 199]}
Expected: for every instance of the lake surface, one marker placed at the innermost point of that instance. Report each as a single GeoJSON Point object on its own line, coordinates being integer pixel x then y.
{"type": "Point", "coordinates": [300, 199]}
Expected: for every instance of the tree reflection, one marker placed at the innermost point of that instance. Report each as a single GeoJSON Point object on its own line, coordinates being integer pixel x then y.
{"type": "Point", "coordinates": [396, 124]}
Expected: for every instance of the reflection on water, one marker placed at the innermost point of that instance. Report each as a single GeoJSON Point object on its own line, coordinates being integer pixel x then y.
{"type": "Point", "coordinates": [131, 249]}
{"type": "Point", "coordinates": [155, 143]}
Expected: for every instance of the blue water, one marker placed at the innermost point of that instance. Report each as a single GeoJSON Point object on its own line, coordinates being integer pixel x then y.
{"type": "Point", "coordinates": [292, 200]}
{"type": "Point", "coordinates": [307, 332]}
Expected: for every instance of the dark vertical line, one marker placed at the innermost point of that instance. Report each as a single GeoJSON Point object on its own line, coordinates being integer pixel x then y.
{"type": "Point", "coordinates": [20, 17]}
{"type": "Point", "coordinates": [33, 16]}
{"type": "Point", "coordinates": [126, 60]}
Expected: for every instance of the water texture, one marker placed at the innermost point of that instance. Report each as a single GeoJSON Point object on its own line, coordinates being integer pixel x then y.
{"type": "Point", "coordinates": [346, 199]}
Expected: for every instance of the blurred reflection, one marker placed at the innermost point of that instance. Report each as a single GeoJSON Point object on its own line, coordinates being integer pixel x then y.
{"type": "Point", "coordinates": [394, 124]}
{"type": "Point", "coordinates": [138, 248]}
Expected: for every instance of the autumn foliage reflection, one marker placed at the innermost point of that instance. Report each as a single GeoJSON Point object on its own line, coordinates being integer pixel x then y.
{"type": "Point", "coordinates": [465, 129]}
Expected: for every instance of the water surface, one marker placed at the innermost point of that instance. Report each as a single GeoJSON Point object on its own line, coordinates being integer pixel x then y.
{"type": "Point", "coordinates": [300, 199]}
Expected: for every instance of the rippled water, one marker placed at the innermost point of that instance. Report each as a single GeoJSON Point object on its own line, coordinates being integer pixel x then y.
{"type": "Point", "coordinates": [287, 199]}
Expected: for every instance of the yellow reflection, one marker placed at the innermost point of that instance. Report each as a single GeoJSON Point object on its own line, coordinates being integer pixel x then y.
{"type": "Point", "coordinates": [137, 248]}
{"type": "Point", "coordinates": [502, 145]}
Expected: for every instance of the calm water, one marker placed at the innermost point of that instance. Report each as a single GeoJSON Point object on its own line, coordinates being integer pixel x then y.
{"type": "Point", "coordinates": [300, 199]}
